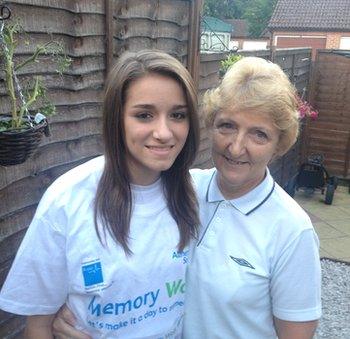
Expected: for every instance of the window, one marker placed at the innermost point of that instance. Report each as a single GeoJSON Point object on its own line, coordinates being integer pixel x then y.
{"type": "Point", "coordinates": [344, 43]}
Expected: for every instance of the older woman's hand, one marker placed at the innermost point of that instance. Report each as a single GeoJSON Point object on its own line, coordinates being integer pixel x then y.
{"type": "Point", "coordinates": [63, 325]}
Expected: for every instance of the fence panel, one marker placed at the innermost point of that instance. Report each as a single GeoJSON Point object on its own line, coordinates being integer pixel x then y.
{"type": "Point", "coordinates": [329, 135]}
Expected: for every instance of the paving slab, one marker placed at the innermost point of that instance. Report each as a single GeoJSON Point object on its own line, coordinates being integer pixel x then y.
{"type": "Point", "coordinates": [338, 248]}
{"type": "Point", "coordinates": [326, 231]}
{"type": "Point", "coordinates": [331, 222]}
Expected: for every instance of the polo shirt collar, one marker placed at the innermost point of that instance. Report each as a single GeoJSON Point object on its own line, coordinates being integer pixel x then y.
{"type": "Point", "coordinates": [248, 202]}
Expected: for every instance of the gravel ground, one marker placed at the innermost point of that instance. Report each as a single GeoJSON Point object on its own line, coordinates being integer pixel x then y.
{"type": "Point", "coordinates": [335, 321]}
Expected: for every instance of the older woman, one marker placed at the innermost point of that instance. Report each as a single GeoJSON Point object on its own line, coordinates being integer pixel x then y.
{"type": "Point", "coordinates": [255, 271]}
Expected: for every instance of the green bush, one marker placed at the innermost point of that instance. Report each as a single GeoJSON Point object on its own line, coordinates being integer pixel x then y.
{"type": "Point", "coordinates": [228, 62]}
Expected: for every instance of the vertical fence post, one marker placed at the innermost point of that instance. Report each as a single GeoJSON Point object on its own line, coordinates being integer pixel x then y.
{"type": "Point", "coordinates": [272, 47]}
{"type": "Point", "coordinates": [347, 159]}
{"type": "Point", "coordinates": [285, 176]}
{"type": "Point", "coordinates": [305, 147]}
{"type": "Point", "coordinates": [193, 47]}
{"type": "Point", "coordinates": [109, 33]}
{"type": "Point", "coordinates": [293, 76]}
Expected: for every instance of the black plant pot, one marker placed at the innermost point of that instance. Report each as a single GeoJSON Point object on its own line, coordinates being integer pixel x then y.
{"type": "Point", "coordinates": [17, 145]}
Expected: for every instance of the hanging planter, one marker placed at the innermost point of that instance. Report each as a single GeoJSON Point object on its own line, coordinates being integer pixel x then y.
{"type": "Point", "coordinates": [22, 131]}
{"type": "Point", "coordinates": [17, 145]}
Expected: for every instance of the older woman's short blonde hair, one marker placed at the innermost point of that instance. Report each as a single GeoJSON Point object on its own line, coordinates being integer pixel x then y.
{"type": "Point", "coordinates": [255, 84]}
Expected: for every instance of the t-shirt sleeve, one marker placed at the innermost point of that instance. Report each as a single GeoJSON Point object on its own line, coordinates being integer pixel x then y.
{"type": "Point", "coordinates": [296, 280]}
{"type": "Point", "coordinates": [38, 281]}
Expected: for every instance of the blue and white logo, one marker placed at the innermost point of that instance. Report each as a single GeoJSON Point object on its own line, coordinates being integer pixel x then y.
{"type": "Point", "coordinates": [242, 262]}
{"type": "Point", "coordinates": [92, 273]}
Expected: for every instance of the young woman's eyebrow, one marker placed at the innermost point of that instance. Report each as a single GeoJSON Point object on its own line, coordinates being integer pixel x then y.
{"type": "Point", "coordinates": [180, 107]}
{"type": "Point", "coordinates": [144, 106]}
{"type": "Point", "coordinates": [150, 106]}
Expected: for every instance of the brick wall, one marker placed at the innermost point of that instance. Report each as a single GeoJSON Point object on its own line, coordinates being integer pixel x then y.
{"type": "Point", "coordinates": [333, 40]}
{"type": "Point", "coordinates": [316, 40]}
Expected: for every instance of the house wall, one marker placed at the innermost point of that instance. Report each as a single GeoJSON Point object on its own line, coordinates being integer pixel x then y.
{"type": "Point", "coordinates": [338, 40]}
{"type": "Point", "coordinates": [345, 43]}
{"type": "Point", "coordinates": [315, 40]}
{"type": "Point", "coordinates": [333, 40]}
{"type": "Point", "coordinates": [254, 44]}
{"type": "Point", "coordinates": [249, 44]}
{"type": "Point", "coordinates": [235, 43]}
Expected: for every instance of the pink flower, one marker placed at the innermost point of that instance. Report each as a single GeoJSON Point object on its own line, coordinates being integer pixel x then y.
{"type": "Point", "coordinates": [313, 115]}
{"type": "Point", "coordinates": [306, 110]}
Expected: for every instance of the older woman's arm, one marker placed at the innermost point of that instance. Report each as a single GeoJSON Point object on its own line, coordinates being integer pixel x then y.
{"type": "Point", "coordinates": [63, 325]}
{"type": "Point", "coordinates": [292, 329]}
{"type": "Point", "coordinates": [39, 327]}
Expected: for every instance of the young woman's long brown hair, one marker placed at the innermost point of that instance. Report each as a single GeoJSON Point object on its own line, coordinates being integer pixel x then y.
{"type": "Point", "coordinates": [113, 203]}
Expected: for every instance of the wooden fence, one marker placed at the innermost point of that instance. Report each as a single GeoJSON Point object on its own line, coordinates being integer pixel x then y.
{"type": "Point", "coordinates": [94, 33]}
{"type": "Point", "coordinates": [329, 135]}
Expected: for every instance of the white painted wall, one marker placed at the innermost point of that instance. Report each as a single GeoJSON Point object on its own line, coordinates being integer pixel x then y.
{"type": "Point", "coordinates": [254, 45]}
{"type": "Point", "coordinates": [344, 43]}
{"type": "Point", "coordinates": [233, 44]}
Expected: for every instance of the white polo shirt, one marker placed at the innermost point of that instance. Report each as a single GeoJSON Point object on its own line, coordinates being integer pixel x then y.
{"type": "Point", "coordinates": [257, 256]}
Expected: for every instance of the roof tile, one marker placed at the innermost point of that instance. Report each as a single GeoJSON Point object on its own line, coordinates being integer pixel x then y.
{"type": "Point", "coordinates": [324, 15]}
{"type": "Point", "coordinates": [240, 27]}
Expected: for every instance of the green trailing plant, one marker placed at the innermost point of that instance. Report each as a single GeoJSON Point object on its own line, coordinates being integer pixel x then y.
{"type": "Point", "coordinates": [228, 62]}
{"type": "Point", "coordinates": [32, 92]}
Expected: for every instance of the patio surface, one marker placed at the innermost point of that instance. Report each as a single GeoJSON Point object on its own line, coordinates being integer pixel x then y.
{"type": "Point", "coordinates": [331, 222]}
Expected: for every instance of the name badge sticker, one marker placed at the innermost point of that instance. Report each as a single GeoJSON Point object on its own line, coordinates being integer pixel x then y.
{"type": "Point", "coordinates": [92, 274]}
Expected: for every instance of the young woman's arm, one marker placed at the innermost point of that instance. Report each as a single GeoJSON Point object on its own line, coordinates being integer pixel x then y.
{"type": "Point", "coordinates": [293, 329]}
{"type": "Point", "coordinates": [39, 327]}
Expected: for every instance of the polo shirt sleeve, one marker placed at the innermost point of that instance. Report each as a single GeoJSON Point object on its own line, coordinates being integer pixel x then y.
{"type": "Point", "coordinates": [37, 281]}
{"type": "Point", "coordinates": [296, 279]}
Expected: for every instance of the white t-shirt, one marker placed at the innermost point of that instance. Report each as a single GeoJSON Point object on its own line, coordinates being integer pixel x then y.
{"type": "Point", "coordinates": [113, 296]}
{"type": "Point", "coordinates": [257, 256]}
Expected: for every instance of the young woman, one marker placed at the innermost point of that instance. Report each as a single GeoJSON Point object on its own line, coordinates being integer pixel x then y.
{"type": "Point", "coordinates": [255, 272]}
{"type": "Point", "coordinates": [110, 236]}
